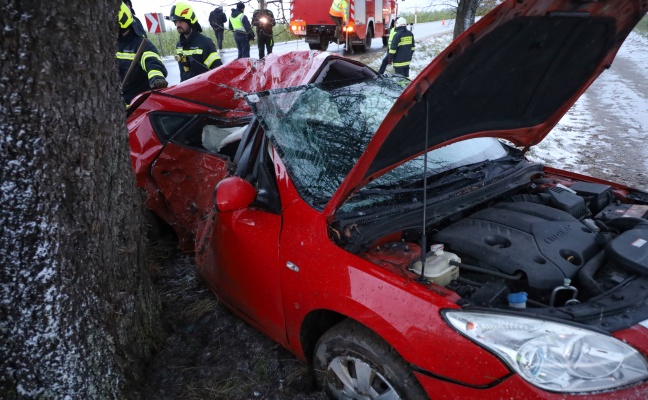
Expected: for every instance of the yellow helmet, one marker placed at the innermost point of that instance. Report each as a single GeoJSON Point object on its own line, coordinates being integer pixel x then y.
{"type": "Point", "coordinates": [125, 17]}
{"type": "Point", "coordinates": [183, 11]}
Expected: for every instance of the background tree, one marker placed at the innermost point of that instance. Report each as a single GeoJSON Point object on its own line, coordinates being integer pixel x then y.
{"type": "Point", "coordinates": [466, 12]}
{"type": "Point", "coordinates": [77, 310]}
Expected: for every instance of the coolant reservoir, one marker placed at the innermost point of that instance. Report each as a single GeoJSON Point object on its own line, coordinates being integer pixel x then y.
{"type": "Point", "coordinates": [437, 266]}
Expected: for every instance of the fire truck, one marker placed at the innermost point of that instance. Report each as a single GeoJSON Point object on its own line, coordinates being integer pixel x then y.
{"type": "Point", "coordinates": [366, 19]}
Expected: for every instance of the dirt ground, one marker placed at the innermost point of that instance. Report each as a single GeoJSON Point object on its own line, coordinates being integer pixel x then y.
{"type": "Point", "coordinates": [212, 354]}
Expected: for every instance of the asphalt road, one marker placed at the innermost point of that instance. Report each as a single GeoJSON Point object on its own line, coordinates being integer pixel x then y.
{"type": "Point", "coordinates": [421, 31]}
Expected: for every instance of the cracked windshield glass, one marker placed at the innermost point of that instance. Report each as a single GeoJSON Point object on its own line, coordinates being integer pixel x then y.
{"type": "Point", "coordinates": [320, 130]}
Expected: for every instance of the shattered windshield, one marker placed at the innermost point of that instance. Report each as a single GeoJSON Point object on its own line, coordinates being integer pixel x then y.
{"type": "Point", "coordinates": [448, 168]}
{"type": "Point", "coordinates": [321, 130]}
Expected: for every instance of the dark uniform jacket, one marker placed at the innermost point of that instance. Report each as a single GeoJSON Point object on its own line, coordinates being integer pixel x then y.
{"type": "Point", "coordinates": [217, 19]}
{"type": "Point", "coordinates": [149, 68]}
{"type": "Point", "coordinates": [402, 47]}
{"type": "Point", "coordinates": [263, 28]}
{"type": "Point", "coordinates": [196, 54]}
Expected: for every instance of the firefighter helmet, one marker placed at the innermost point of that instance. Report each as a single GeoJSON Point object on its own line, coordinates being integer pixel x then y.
{"type": "Point", "coordinates": [183, 12]}
{"type": "Point", "coordinates": [125, 17]}
{"type": "Point", "coordinates": [401, 21]}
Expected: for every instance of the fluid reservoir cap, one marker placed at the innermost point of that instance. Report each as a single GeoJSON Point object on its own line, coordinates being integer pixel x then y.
{"type": "Point", "coordinates": [517, 300]}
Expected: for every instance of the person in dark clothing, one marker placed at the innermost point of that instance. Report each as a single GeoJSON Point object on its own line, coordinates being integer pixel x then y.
{"type": "Point", "coordinates": [401, 49]}
{"type": "Point", "coordinates": [264, 20]}
{"type": "Point", "coordinates": [217, 19]}
{"type": "Point", "coordinates": [149, 71]}
{"type": "Point", "coordinates": [195, 52]}
{"type": "Point", "coordinates": [240, 24]}
{"type": "Point", "coordinates": [392, 32]}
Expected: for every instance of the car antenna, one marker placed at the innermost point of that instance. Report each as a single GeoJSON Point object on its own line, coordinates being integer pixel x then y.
{"type": "Point", "coordinates": [425, 166]}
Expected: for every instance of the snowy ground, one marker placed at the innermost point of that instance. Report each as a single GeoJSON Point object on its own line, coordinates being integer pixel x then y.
{"type": "Point", "coordinates": [603, 135]}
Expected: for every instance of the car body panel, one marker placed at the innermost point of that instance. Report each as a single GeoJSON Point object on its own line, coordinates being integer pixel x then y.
{"type": "Point", "coordinates": [179, 179]}
{"type": "Point", "coordinates": [178, 171]}
{"type": "Point", "coordinates": [511, 75]}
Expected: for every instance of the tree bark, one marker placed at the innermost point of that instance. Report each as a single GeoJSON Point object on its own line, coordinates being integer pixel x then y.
{"type": "Point", "coordinates": [78, 312]}
{"type": "Point", "coordinates": [466, 11]}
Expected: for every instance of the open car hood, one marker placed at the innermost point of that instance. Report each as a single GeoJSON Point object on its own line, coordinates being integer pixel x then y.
{"type": "Point", "coordinates": [511, 75]}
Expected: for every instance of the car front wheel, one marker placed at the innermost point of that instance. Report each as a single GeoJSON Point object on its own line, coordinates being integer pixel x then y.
{"type": "Point", "coordinates": [352, 362]}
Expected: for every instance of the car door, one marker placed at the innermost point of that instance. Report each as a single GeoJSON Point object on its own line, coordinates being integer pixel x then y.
{"type": "Point", "coordinates": [191, 164]}
{"type": "Point", "coordinates": [246, 273]}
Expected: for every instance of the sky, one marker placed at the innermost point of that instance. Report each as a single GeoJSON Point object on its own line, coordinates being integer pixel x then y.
{"type": "Point", "coordinates": [204, 7]}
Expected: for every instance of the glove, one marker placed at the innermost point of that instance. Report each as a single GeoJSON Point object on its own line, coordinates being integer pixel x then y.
{"type": "Point", "coordinates": [159, 83]}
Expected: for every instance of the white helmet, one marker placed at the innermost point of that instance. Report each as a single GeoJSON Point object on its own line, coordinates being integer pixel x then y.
{"type": "Point", "coordinates": [401, 21]}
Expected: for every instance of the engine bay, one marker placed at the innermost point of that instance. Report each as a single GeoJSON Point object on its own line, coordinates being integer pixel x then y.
{"type": "Point", "coordinates": [567, 249]}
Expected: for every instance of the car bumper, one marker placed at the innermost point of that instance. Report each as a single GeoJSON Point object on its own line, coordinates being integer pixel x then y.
{"type": "Point", "coordinates": [514, 387]}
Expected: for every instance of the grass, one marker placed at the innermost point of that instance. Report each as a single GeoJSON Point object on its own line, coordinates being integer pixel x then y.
{"type": "Point", "coordinates": [642, 27]}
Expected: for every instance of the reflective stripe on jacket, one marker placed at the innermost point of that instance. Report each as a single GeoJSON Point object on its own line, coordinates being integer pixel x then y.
{"type": "Point", "coordinates": [195, 55]}
{"type": "Point", "coordinates": [149, 69]}
{"type": "Point", "coordinates": [401, 48]}
{"type": "Point", "coordinates": [339, 8]}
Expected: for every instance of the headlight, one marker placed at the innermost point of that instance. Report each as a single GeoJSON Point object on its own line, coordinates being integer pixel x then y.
{"type": "Point", "coordinates": [553, 356]}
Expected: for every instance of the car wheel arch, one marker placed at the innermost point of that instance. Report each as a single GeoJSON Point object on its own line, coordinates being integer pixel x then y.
{"type": "Point", "coordinates": [352, 342]}
{"type": "Point", "coordinates": [317, 322]}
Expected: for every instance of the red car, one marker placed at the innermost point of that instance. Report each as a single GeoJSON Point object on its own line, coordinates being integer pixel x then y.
{"type": "Point", "coordinates": [183, 138]}
{"type": "Point", "coordinates": [393, 234]}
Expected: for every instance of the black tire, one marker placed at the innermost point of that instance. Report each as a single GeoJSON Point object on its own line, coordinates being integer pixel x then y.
{"type": "Point", "coordinates": [349, 348]}
{"type": "Point", "coordinates": [314, 46]}
{"type": "Point", "coordinates": [385, 39]}
{"type": "Point", "coordinates": [366, 43]}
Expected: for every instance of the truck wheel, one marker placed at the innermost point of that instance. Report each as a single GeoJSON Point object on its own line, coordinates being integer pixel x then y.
{"type": "Point", "coordinates": [314, 46]}
{"type": "Point", "coordinates": [366, 43]}
{"type": "Point", "coordinates": [352, 362]}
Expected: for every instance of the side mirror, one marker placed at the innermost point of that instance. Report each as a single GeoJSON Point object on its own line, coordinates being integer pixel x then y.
{"type": "Point", "coordinates": [233, 193]}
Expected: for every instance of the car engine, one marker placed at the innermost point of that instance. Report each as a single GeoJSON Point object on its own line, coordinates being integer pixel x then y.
{"type": "Point", "coordinates": [552, 248]}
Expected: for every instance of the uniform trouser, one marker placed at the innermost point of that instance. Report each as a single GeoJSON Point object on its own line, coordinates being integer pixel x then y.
{"type": "Point", "coordinates": [219, 39]}
{"type": "Point", "coordinates": [402, 71]}
{"type": "Point", "coordinates": [383, 65]}
{"type": "Point", "coordinates": [265, 42]}
{"type": "Point", "coordinates": [338, 26]}
{"type": "Point", "coordinates": [242, 44]}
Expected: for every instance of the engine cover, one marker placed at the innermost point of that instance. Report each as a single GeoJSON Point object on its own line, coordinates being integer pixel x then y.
{"type": "Point", "coordinates": [545, 243]}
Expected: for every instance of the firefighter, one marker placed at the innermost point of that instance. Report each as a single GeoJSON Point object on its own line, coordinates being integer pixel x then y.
{"type": "Point", "coordinates": [264, 20]}
{"type": "Point", "coordinates": [240, 24]}
{"type": "Point", "coordinates": [385, 60]}
{"type": "Point", "coordinates": [401, 48]}
{"type": "Point", "coordinates": [149, 71]}
{"type": "Point", "coordinates": [338, 14]}
{"type": "Point", "coordinates": [195, 52]}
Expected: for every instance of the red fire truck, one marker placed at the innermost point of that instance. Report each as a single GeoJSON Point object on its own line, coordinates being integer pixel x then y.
{"type": "Point", "coordinates": [366, 19]}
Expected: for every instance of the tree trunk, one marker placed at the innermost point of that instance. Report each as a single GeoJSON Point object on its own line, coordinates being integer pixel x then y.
{"type": "Point", "coordinates": [466, 11]}
{"type": "Point", "coordinates": [78, 312]}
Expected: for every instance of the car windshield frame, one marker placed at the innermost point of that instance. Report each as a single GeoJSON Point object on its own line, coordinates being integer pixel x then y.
{"type": "Point", "coordinates": [321, 130]}
{"type": "Point", "coordinates": [454, 165]}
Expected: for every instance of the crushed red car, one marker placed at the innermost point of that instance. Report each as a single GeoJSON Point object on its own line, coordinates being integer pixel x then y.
{"type": "Point", "coordinates": [182, 139]}
{"type": "Point", "coordinates": [393, 234]}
